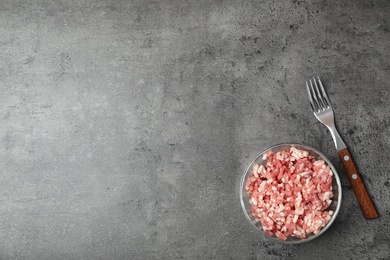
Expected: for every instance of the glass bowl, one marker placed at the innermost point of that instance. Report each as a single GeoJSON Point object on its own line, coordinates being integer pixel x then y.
{"type": "Point", "coordinates": [334, 206]}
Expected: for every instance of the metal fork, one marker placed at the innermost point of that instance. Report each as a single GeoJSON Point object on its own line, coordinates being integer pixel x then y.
{"type": "Point", "coordinates": [323, 111]}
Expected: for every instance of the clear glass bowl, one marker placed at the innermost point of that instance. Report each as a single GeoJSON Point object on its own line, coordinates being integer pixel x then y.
{"type": "Point", "coordinates": [334, 206]}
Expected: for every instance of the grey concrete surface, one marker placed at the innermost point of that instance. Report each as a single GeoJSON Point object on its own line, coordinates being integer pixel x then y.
{"type": "Point", "coordinates": [126, 125]}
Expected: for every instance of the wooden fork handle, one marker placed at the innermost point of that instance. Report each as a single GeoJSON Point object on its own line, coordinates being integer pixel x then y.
{"type": "Point", "coordinates": [357, 184]}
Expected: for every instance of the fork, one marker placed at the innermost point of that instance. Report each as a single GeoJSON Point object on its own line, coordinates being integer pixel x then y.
{"type": "Point", "coordinates": [323, 111]}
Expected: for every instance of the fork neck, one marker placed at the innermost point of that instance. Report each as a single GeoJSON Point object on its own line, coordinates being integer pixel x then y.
{"type": "Point", "coordinates": [338, 141]}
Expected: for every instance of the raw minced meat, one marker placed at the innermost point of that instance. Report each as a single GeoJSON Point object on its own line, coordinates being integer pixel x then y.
{"type": "Point", "coordinates": [290, 193]}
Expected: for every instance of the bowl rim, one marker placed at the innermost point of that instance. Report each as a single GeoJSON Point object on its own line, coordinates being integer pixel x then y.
{"type": "Point", "coordinates": [336, 176]}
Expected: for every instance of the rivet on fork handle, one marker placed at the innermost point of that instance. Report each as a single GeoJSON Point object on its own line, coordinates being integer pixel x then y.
{"type": "Point", "coordinates": [358, 187]}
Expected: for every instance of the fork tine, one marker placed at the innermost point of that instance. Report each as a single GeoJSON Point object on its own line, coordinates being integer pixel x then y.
{"type": "Point", "coordinates": [321, 102]}
{"type": "Point", "coordinates": [324, 93]}
{"type": "Point", "coordinates": [316, 104]}
{"type": "Point", "coordinates": [310, 97]}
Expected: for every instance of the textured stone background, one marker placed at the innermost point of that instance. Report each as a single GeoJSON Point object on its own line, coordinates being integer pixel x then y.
{"type": "Point", "coordinates": [125, 125]}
